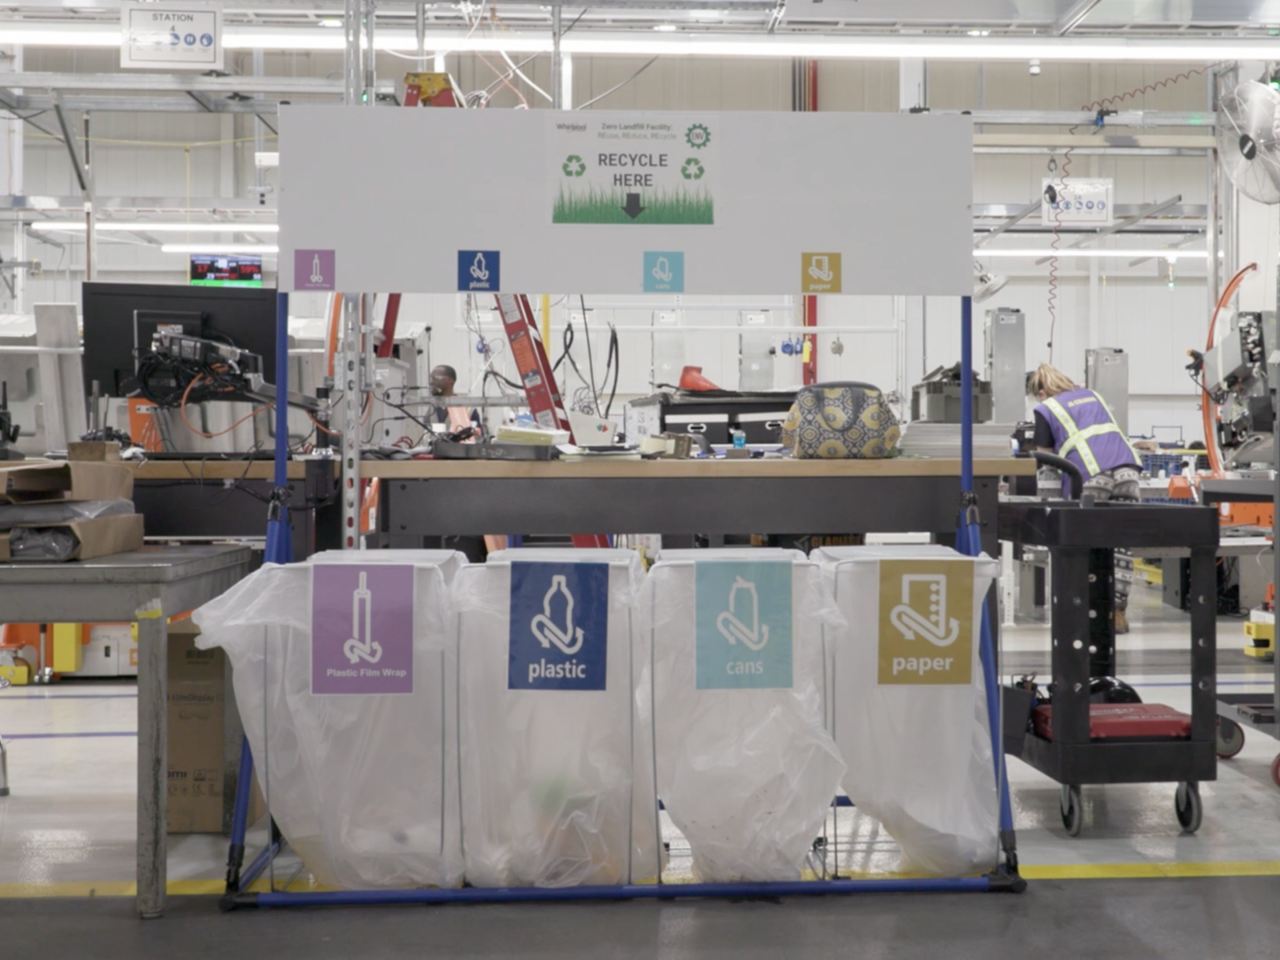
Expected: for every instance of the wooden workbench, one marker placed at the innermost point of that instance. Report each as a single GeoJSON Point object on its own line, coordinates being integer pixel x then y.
{"type": "Point", "coordinates": [898, 467]}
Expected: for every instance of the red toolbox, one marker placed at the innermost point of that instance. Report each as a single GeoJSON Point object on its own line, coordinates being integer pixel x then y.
{"type": "Point", "coordinates": [1110, 720]}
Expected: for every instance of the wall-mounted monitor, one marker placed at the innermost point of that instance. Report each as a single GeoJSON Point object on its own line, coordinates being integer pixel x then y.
{"type": "Point", "coordinates": [225, 270]}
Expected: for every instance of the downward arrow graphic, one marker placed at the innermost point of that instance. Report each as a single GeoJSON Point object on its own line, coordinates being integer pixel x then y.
{"type": "Point", "coordinates": [632, 208]}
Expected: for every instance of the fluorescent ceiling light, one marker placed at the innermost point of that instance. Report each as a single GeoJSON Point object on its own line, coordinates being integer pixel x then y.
{"type": "Point", "coordinates": [684, 43]}
{"type": "Point", "coordinates": [1092, 253]}
{"type": "Point", "coordinates": [330, 21]}
{"type": "Point", "coordinates": [666, 28]}
{"type": "Point", "coordinates": [220, 248]}
{"type": "Point", "coordinates": [141, 226]}
{"type": "Point", "coordinates": [267, 158]}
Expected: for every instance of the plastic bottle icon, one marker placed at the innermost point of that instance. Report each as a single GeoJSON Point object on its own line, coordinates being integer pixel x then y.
{"type": "Point", "coordinates": [316, 275]}
{"type": "Point", "coordinates": [567, 638]}
{"type": "Point", "coordinates": [820, 268]}
{"type": "Point", "coordinates": [361, 646]}
{"type": "Point", "coordinates": [662, 270]}
{"type": "Point", "coordinates": [479, 269]}
{"type": "Point", "coordinates": [733, 629]}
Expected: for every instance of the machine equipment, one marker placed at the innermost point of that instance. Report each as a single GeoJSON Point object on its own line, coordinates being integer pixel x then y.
{"type": "Point", "coordinates": [8, 429]}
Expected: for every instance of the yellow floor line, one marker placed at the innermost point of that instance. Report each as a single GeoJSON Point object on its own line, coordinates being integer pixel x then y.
{"type": "Point", "coordinates": [1136, 871]}
{"type": "Point", "coordinates": [1087, 871]}
{"type": "Point", "coordinates": [126, 888]}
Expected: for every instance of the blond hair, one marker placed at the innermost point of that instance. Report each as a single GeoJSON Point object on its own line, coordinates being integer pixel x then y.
{"type": "Point", "coordinates": [1049, 379]}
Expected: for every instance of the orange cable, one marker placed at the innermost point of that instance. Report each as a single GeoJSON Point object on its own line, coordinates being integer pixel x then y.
{"type": "Point", "coordinates": [1207, 407]}
{"type": "Point", "coordinates": [334, 316]}
{"type": "Point", "coordinates": [182, 409]}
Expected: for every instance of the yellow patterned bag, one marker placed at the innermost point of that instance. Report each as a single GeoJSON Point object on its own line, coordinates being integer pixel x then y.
{"type": "Point", "coordinates": [840, 421]}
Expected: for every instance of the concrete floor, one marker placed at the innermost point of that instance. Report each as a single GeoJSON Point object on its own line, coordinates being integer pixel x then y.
{"type": "Point", "coordinates": [68, 831]}
{"type": "Point", "coordinates": [1222, 918]}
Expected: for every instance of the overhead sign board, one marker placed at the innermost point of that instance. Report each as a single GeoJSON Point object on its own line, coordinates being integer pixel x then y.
{"type": "Point", "coordinates": [172, 36]}
{"type": "Point", "coordinates": [1077, 200]}
{"type": "Point", "coordinates": [604, 202]}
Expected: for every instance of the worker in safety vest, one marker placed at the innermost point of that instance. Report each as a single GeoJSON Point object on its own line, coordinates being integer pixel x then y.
{"type": "Point", "coordinates": [1076, 424]}
{"type": "Point", "coordinates": [443, 378]}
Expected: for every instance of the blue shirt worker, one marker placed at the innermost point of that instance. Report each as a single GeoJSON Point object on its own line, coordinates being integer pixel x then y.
{"type": "Point", "coordinates": [1076, 424]}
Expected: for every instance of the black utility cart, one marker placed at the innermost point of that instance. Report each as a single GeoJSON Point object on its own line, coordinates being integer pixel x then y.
{"type": "Point", "coordinates": [1080, 540]}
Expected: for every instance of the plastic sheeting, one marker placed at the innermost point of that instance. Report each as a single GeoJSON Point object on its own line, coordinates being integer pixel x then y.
{"type": "Point", "coordinates": [557, 768]}
{"type": "Point", "coordinates": [60, 512]}
{"type": "Point", "coordinates": [746, 769]}
{"type": "Point", "coordinates": [364, 787]}
{"type": "Point", "coordinates": [909, 700]}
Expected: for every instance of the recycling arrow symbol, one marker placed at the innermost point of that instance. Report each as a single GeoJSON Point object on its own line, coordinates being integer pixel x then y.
{"type": "Point", "coordinates": [692, 169]}
{"type": "Point", "coordinates": [573, 166]}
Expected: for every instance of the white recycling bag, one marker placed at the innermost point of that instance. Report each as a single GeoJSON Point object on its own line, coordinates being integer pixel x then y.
{"type": "Point", "coordinates": [345, 677]}
{"type": "Point", "coordinates": [746, 769]}
{"type": "Point", "coordinates": [557, 766]}
{"type": "Point", "coordinates": [910, 701]}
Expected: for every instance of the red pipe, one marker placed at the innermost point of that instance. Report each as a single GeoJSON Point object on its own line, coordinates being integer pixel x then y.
{"type": "Point", "coordinates": [810, 366]}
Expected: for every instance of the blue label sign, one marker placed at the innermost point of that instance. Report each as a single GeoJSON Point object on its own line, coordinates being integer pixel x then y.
{"type": "Point", "coordinates": [743, 615]}
{"type": "Point", "coordinates": [663, 271]}
{"type": "Point", "coordinates": [479, 270]}
{"type": "Point", "coordinates": [559, 632]}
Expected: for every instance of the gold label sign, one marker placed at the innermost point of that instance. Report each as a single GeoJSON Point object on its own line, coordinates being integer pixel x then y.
{"type": "Point", "coordinates": [820, 273]}
{"type": "Point", "coordinates": [926, 622]}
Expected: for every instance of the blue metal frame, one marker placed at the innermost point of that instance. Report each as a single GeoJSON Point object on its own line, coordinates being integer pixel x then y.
{"type": "Point", "coordinates": [279, 549]}
{"type": "Point", "coordinates": [969, 542]}
{"type": "Point", "coordinates": [665, 891]}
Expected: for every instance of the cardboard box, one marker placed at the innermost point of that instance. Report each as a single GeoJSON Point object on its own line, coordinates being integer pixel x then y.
{"type": "Point", "coordinates": [197, 711]}
{"type": "Point", "coordinates": [202, 762]}
{"type": "Point", "coordinates": [94, 450]}
{"type": "Point", "coordinates": [25, 482]}
{"type": "Point", "coordinates": [99, 537]}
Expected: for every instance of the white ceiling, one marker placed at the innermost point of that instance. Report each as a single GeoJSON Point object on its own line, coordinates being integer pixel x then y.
{"type": "Point", "coordinates": [1019, 17]}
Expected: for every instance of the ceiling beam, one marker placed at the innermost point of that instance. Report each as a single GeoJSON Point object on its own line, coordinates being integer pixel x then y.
{"type": "Point", "coordinates": [1030, 208]}
{"type": "Point", "coordinates": [1073, 17]}
{"type": "Point", "coordinates": [107, 103]}
{"type": "Point", "coordinates": [170, 82]}
{"type": "Point", "coordinates": [82, 174]}
{"type": "Point", "coordinates": [1148, 211]}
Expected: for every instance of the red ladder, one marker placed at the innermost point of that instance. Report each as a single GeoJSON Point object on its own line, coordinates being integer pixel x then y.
{"type": "Point", "coordinates": [538, 378]}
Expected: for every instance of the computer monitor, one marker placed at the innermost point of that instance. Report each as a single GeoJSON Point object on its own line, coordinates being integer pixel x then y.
{"type": "Point", "coordinates": [114, 313]}
{"type": "Point", "coordinates": [221, 270]}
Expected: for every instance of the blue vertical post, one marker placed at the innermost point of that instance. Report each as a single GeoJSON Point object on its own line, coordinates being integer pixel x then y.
{"type": "Point", "coordinates": [966, 394]}
{"type": "Point", "coordinates": [969, 542]}
{"type": "Point", "coordinates": [282, 388]}
{"type": "Point", "coordinates": [279, 537]}
{"type": "Point", "coordinates": [279, 549]}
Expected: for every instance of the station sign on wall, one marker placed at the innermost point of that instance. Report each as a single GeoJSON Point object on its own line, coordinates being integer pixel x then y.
{"type": "Point", "coordinates": [604, 202]}
{"type": "Point", "coordinates": [171, 36]}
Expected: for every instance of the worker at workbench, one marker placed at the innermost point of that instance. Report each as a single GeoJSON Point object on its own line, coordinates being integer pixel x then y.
{"type": "Point", "coordinates": [443, 379]}
{"type": "Point", "coordinates": [1076, 423]}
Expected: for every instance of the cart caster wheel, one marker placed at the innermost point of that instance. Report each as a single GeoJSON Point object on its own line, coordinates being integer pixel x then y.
{"type": "Point", "coordinates": [1186, 803]}
{"type": "Point", "coordinates": [1072, 810]}
{"type": "Point", "coordinates": [1230, 738]}
{"type": "Point", "coordinates": [1275, 770]}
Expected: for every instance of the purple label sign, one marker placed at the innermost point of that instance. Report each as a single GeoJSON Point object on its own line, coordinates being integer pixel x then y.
{"type": "Point", "coordinates": [313, 270]}
{"type": "Point", "coordinates": [361, 629]}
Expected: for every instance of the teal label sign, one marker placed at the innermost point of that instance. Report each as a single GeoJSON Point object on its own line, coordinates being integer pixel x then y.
{"type": "Point", "coordinates": [743, 616]}
{"type": "Point", "coordinates": [663, 271]}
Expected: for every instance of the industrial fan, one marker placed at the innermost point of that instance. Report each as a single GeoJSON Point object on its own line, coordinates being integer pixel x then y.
{"type": "Point", "coordinates": [1249, 142]}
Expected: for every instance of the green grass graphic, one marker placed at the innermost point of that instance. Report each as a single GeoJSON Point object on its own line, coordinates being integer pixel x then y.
{"type": "Point", "coordinates": [595, 205]}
